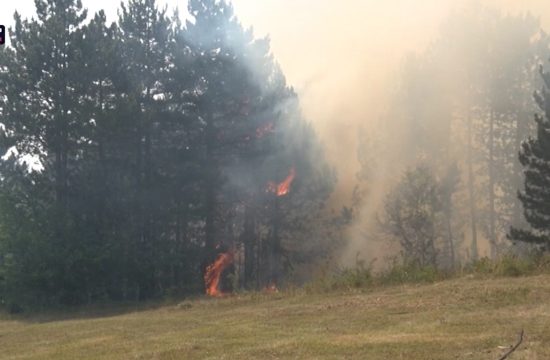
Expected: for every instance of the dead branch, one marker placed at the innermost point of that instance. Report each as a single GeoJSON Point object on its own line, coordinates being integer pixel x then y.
{"type": "Point", "coordinates": [513, 348]}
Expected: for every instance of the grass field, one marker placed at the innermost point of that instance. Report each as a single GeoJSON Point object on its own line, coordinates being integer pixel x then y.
{"type": "Point", "coordinates": [465, 318]}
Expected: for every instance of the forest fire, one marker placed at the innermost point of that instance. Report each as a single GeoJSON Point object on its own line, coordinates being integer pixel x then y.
{"type": "Point", "coordinates": [282, 188]}
{"type": "Point", "coordinates": [271, 289]}
{"type": "Point", "coordinates": [214, 272]}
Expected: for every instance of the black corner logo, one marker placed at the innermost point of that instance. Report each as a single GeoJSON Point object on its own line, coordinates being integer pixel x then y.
{"type": "Point", "coordinates": [2, 34]}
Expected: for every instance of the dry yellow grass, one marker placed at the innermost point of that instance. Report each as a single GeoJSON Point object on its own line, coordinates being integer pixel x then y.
{"type": "Point", "coordinates": [457, 319]}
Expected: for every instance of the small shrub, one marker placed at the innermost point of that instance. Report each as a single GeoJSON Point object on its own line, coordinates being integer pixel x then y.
{"type": "Point", "coordinates": [410, 273]}
{"type": "Point", "coordinates": [347, 279]}
{"type": "Point", "coordinates": [399, 273]}
{"type": "Point", "coordinates": [541, 263]}
{"type": "Point", "coordinates": [14, 308]}
{"type": "Point", "coordinates": [363, 278]}
{"type": "Point", "coordinates": [508, 265]}
{"type": "Point", "coordinates": [483, 266]}
{"type": "Point", "coordinates": [355, 278]}
{"type": "Point", "coordinates": [514, 266]}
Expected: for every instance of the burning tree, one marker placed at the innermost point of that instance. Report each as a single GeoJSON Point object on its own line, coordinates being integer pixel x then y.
{"type": "Point", "coordinates": [258, 152]}
{"type": "Point", "coordinates": [214, 271]}
{"type": "Point", "coordinates": [282, 188]}
{"type": "Point", "coordinates": [161, 143]}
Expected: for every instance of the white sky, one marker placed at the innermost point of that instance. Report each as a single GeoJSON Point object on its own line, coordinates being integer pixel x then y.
{"type": "Point", "coordinates": [310, 36]}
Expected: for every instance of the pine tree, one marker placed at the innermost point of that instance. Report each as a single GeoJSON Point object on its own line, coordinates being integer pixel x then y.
{"type": "Point", "coordinates": [535, 158]}
{"type": "Point", "coordinates": [43, 118]}
{"type": "Point", "coordinates": [222, 99]}
{"type": "Point", "coordinates": [411, 214]}
{"type": "Point", "coordinates": [253, 134]}
{"type": "Point", "coordinates": [103, 160]}
{"type": "Point", "coordinates": [145, 34]}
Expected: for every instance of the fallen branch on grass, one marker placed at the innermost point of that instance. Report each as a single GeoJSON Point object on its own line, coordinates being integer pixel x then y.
{"type": "Point", "coordinates": [513, 348]}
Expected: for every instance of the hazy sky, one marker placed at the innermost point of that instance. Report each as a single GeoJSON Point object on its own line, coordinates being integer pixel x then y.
{"type": "Point", "coordinates": [341, 56]}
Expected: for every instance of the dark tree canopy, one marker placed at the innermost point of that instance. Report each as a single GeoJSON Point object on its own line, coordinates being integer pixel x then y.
{"type": "Point", "coordinates": [155, 144]}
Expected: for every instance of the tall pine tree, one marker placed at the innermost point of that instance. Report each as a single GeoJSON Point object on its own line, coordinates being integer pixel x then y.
{"type": "Point", "coordinates": [535, 158]}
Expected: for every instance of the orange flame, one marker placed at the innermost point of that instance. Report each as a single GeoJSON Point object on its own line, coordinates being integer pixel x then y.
{"type": "Point", "coordinates": [283, 188]}
{"type": "Point", "coordinates": [271, 289]}
{"type": "Point", "coordinates": [214, 272]}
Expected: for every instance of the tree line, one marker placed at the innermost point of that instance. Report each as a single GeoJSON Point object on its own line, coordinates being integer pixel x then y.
{"type": "Point", "coordinates": [137, 151]}
{"type": "Point", "coordinates": [456, 123]}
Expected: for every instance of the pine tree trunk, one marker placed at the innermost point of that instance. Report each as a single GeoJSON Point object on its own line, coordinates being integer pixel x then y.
{"type": "Point", "coordinates": [492, 215]}
{"type": "Point", "coordinates": [138, 241]}
{"type": "Point", "coordinates": [61, 156]}
{"type": "Point", "coordinates": [249, 245]}
{"type": "Point", "coordinates": [274, 250]}
{"type": "Point", "coordinates": [62, 124]}
{"type": "Point", "coordinates": [210, 190]}
{"type": "Point", "coordinates": [471, 192]}
{"type": "Point", "coordinates": [450, 239]}
{"type": "Point", "coordinates": [521, 134]}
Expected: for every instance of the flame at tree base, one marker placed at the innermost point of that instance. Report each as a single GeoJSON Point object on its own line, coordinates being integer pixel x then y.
{"type": "Point", "coordinates": [271, 289]}
{"type": "Point", "coordinates": [213, 274]}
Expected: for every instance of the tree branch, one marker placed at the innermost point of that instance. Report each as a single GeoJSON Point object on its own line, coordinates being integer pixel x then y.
{"type": "Point", "coordinates": [514, 347]}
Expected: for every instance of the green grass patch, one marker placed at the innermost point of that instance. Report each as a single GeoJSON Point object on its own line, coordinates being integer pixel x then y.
{"type": "Point", "coordinates": [363, 278]}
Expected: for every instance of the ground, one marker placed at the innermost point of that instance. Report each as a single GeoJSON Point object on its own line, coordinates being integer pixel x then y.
{"type": "Point", "coordinates": [464, 318]}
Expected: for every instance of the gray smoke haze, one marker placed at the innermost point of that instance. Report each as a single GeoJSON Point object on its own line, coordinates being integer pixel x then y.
{"type": "Point", "coordinates": [345, 60]}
